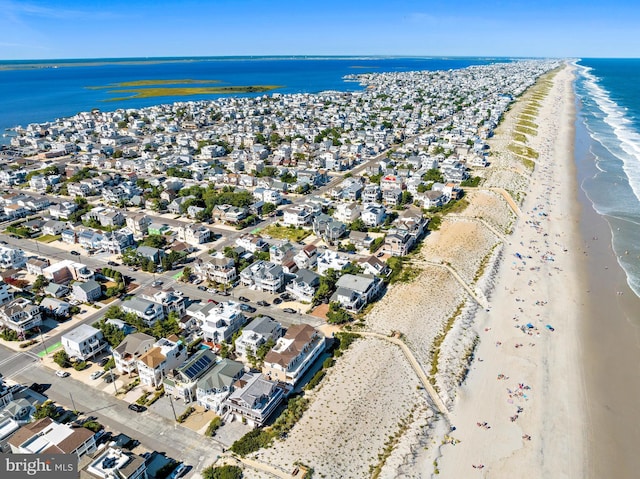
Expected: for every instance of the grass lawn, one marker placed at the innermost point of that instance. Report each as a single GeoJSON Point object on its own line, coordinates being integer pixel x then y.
{"type": "Point", "coordinates": [48, 238]}
{"type": "Point", "coordinates": [286, 232]}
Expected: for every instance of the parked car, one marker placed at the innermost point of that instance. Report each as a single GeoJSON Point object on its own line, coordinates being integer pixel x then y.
{"type": "Point", "coordinates": [224, 293]}
{"type": "Point", "coordinates": [136, 407]}
{"type": "Point", "coordinates": [74, 253]}
{"type": "Point", "coordinates": [109, 378]}
{"type": "Point", "coordinates": [262, 303]}
{"type": "Point", "coordinates": [62, 374]}
{"type": "Point", "coordinates": [285, 297]}
{"type": "Point", "coordinates": [289, 310]}
{"type": "Point", "coordinates": [212, 301]}
{"type": "Point", "coordinates": [103, 361]}
{"type": "Point", "coordinates": [96, 374]}
{"type": "Point", "coordinates": [202, 288]}
{"type": "Point", "coordinates": [197, 281]}
{"type": "Point", "coordinates": [178, 471]}
{"type": "Point", "coordinates": [156, 283]}
{"type": "Point", "coordinates": [112, 263]}
{"type": "Point", "coordinates": [277, 301]}
{"type": "Point", "coordinates": [243, 299]}
{"type": "Point", "coordinates": [247, 309]}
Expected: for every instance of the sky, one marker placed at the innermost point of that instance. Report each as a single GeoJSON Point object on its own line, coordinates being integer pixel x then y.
{"type": "Point", "coordinates": [57, 29]}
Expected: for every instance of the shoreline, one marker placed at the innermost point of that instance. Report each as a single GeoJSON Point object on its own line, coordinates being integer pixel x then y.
{"type": "Point", "coordinates": [611, 340]}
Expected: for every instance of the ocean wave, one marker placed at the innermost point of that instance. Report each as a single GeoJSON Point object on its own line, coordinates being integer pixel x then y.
{"type": "Point", "coordinates": [627, 138]}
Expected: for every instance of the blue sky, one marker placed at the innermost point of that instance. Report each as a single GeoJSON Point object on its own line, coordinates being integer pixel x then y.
{"type": "Point", "coordinates": [117, 28]}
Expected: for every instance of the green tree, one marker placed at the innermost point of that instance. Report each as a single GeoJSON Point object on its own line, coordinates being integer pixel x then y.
{"type": "Point", "coordinates": [46, 409]}
{"type": "Point", "coordinates": [358, 225]}
{"type": "Point", "coordinates": [40, 283]}
{"type": "Point", "coordinates": [268, 208]}
{"type": "Point", "coordinates": [433, 175]}
{"type": "Point", "coordinates": [61, 358]}
{"type": "Point", "coordinates": [337, 315]}
{"type": "Point", "coordinates": [327, 285]}
{"type": "Point", "coordinates": [222, 472]}
{"type": "Point", "coordinates": [186, 274]}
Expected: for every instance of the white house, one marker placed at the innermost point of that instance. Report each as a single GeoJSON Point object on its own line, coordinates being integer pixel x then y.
{"type": "Point", "coordinates": [166, 354]}
{"type": "Point", "coordinates": [83, 342]}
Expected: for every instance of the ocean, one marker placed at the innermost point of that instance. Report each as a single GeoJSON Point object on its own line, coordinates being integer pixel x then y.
{"type": "Point", "coordinates": [35, 92]}
{"type": "Point", "coordinates": [608, 92]}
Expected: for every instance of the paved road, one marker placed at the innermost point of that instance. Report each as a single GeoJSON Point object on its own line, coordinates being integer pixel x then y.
{"type": "Point", "coordinates": [153, 431]}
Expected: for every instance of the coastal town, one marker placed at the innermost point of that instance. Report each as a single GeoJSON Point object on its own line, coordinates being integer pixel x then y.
{"type": "Point", "coordinates": [201, 283]}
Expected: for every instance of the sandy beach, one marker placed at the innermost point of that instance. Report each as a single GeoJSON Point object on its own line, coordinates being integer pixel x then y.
{"type": "Point", "coordinates": [521, 411]}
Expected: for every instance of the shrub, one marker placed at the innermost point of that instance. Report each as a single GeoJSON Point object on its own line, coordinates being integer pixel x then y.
{"type": "Point", "coordinates": [222, 472]}
{"type": "Point", "coordinates": [61, 358]}
{"type": "Point", "coordinates": [183, 417]}
{"type": "Point", "coordinates": [214, 425]}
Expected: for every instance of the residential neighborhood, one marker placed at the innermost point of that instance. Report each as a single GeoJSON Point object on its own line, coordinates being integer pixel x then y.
{"type": "Point", "coordinates": [196, 260]}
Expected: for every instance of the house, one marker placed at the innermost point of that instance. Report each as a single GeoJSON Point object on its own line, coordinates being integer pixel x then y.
{"type": "Point", "coordinates": [354, 292]}
{"type": "Point", "coordinates": [328, 228]}
{"type": "Point", "coordinates": [297, 215]}
{"type": "Point", "coordinates": [392, 197]}
{"type": "Point", "coordinates": [182, 381]}
{"type": "Point", "coordinates": [254, 399]}
{"type": "Point", "coordinates": [63, 210]}
{"type": "Point", "coordinates": [373, 215]}
{"type": "Point", "coordinates": [151, 253]}
{"type": "Point", "coordinates": [252, 243]}
{"type": "Point", "coordinates": [218, 322]}
{"type": "Point", "coordinates": [149, 311]}
{"type": "Point", "coordinates": [431, 198]}
{"type": "Point", "coordinates": [278, 254]}
{"type": "Point", "coordinates": [83, 342]}
{"type": "Point", "coordinates": [257, 333]}
{"type": "Point", "coordinates": [138, 224]}
{"type": "Point", "coordinates": [163, 356]}
{"type": "Point", "coordinates": [263, 276]}
{"type": "Point", "coordinates": [67, 270]}
{"type": "Point", "coordinates": [56, 290]}
{"type": "Point", "coordinates": [133, 346]}
{"type": "Point", "coordinates": [217, 384]}
{"type": "Point", "coordinates": [371, 193]}
{"type": "Point", "coordinates": [347, 212]}
{"type": "Point", "coordinates": [87, 292]}
{"type": "Point", "coordinates": [157, 228]}
{"type": "Point", "coordinates": [167, 298]}
{"type": "Point", "coordinates": [12, 258]}
{"type": "Point", "coordinates": [307, 257]}
{"type": "Point", "coordinates": [53, 227]}
{"type": "Point", "coordinates": [5, 294]}
{"type": "Point", "coordinates": [20, 315]}
{"type": "Point", "coordinates": [116, 242]}
{"type": "Point", "coordinates": [330, 259]}
{"type": "Point", "coordinates": [293, 354]}
{"type": "Point", "coordinates": [229, 214]}
{"type": "Point", "coordinates": [398, 243]}
{"type": "Point", "coordinates": [194, 234]}
{"type": "Point", "coordinates": [304, 285]}
{"type": "Point", "coordinates": [45, 436]}
{"type": "Point", "coordinates": [374, 266]}
{"type": "Point", "coordinates": [111, 463]}
{"type": "Point", "coordinates": [36, 266]}
{"type": "Point", "coordinates": [55, 307]}
{"type": "Point", "coordinates": [218, 269]}
{"type": "Point", "coordinates": [360, 239]}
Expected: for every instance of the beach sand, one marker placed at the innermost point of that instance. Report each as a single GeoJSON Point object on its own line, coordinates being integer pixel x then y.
{"type": "Point", "coordinates": [521, 411]}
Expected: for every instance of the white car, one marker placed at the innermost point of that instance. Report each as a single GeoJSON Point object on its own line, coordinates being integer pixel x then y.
{"type": "Point", "coordinates": [62, 374]}
{"type": "Point", "coordinates": [96, 374]}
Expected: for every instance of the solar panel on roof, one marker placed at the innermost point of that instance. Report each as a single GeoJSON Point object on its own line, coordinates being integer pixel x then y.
{"type": "Point", "coordinates": [198, 366]}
